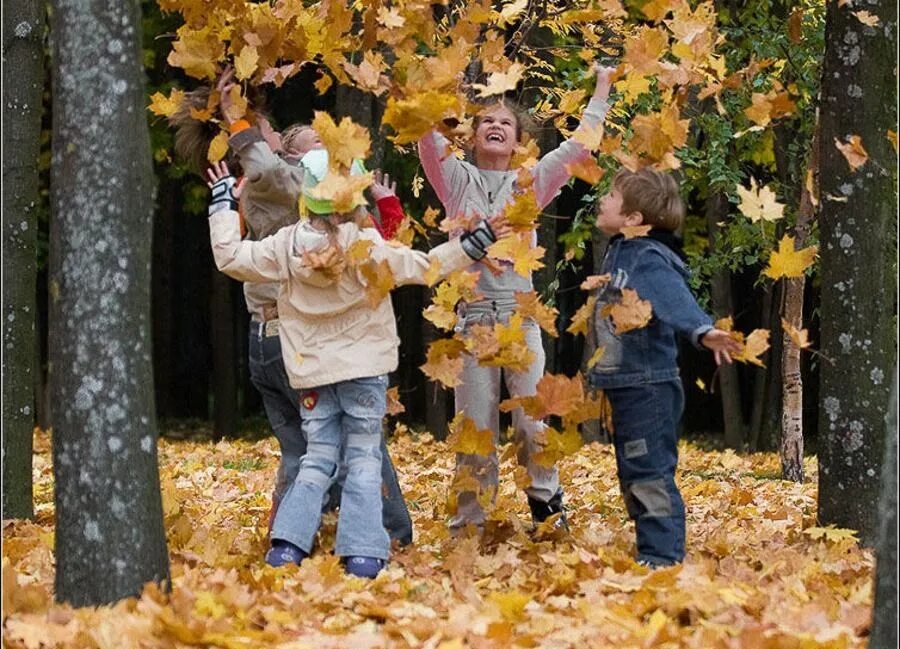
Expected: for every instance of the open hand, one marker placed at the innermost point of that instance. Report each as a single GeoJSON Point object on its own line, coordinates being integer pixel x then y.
{"type": "Point", "coordinates": [217, 172]}
{"type": "Point", "coordinates": [721, 344]}
{"type": "Point", "coordinates": [383, 186]}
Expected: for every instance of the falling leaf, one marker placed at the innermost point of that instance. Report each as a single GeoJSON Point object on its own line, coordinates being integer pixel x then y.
{"type": "Point", "coordinates": [358, 252]}
{"type": "Point", "coordinates": [866, 18]}
{"type": "Point", "coordinates": [379, 281]}
{"type": "Point", "coordinates": [595, 357]}
{"type": "Point", "coordinates": [445, 361]}
{"type": "Point", "coordinates": [853, 151]}
{"type": "Point", "coordinates": [787, 262]}
{"type": "Point", "coordinates": [587, 170]}
{"type": "Point", "coordinates": [530, 306]}
{"type": "Point", "coordinates": [700, 383]}
{"type": "Point", "coordinates": [323, 83]}
{"type": "Point", "coordinates": [522, 211]}
{"type": "Point", "coordinates": [589, 136]}
{"type": "Point", "coordinates": [166, 106]}
{"type": "Point", "coordinates": [218, 147]}
{"type": "Point", "coordinates": [518, 250]}
{"type": "Point", "coordinates": [245, 63]}
{"type": "Point", "coordinates": [800, 337]}
{"type": "Point", "coordinates": [759, 203]}
{"type": "Point", "coordinates": [197, 52]}
{"type": "Point", "coordinates": [499, 83]}
{"type": "Point", "coordinates": [394, 405]}
{"type": "Point", "coordinates": [754, 345]}
{"type": "Point", "coordinates": [346, 141]}
{"type": "Point", "coordinates": [629, 313]}
{"type": "Point", "coordinates": [465, 437]}
{"type": "Point", "coordinates": [892, 138]}
{"type": "Point", "coordinates": [414, 117]}
{"type": "Point", "coordinates": [582, 318]}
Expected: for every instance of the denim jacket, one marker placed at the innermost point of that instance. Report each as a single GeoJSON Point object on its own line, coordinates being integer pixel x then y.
{"type": "Point", "coordinates": [658, 275]}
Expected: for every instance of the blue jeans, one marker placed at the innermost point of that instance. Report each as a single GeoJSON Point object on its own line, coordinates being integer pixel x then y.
{"type": "Point", "coordinates": [342, 422]}
{"type": "Point", "coordinates": [282, 406]}
{"type": "Point", "coordinates": [645, 423]}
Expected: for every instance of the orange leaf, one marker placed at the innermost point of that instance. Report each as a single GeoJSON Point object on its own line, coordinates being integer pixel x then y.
{"type": "Point", "coordinates": [530, 306]}
{"type": "Point", "coordinates": [754, 345]}
{"type": "Point", "coordinates": [445, 361]}
{"type": "Point", "coordinates": [630, 313]}
{"type": "Point", "coordinates": [582, 317]}
{"type": "Point", "coordinates": [853, 151]}
{"type": "Point", "coordinates": [800, 337]}
{"type": "Point", "coordinates": [394, 405]}
{"type": "Point", "coordinates": [587, 170]}
{"type": "Point", "coordinates": [379, 281]}
{"type": "Point", "coordinates": [465, 437]}
{"type": "Point", "coordinates": [635, 231]}
{"type": "Point", "coordinates": [595, 281]}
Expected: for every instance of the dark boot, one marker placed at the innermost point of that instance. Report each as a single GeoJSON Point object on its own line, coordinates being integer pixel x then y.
{"type": "Point", "coordinates": [541, 511]}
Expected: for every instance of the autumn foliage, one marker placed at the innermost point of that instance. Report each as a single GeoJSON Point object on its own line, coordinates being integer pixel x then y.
{"type": "Point", "coordinates": [759, 573]}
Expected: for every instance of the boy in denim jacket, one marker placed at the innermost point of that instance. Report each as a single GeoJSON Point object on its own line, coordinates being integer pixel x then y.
{"type": "Point", "coordinates": [638, 370]}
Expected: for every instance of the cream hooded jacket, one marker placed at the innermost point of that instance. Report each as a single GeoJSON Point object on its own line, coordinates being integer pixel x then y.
{"type": "Point", "coordinates": [328, 330]}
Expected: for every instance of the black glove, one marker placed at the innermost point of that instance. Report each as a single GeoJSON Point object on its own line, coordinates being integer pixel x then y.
{"type": "Point", "coordinates": [223, 195]}
{"type": "Point", "coordinates": [476, 242]}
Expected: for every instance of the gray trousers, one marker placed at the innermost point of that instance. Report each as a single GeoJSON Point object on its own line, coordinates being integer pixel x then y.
{"type": "Point", "coordinates": [478, 397]}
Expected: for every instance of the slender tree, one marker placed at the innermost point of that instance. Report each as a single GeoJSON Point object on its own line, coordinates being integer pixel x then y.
{"type": "Point", "coordinates": [23, 51]}
{"type": "Point", "coordinates": [109, 533]}
{"type": "Point", "coordinates": [858, 255]}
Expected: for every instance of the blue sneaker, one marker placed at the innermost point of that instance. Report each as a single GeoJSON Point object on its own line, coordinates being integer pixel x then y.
{"type": "Point", "coordinates": [367, 567]}
{"type": "Point", "coordinates": [283, 552]}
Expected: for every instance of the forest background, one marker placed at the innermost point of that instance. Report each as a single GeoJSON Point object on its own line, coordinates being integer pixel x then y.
{"type": "Point", "coordinates": [729, 93]}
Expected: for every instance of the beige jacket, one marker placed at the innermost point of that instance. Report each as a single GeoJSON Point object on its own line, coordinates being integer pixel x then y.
{"type": "Point", "coordinates": [328, 331]}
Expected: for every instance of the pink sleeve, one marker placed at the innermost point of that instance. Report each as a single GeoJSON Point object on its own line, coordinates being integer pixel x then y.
{"type": "Point", "coordinates": [550, 173]}
{"type": "Point", "coordinates": [442, 168]}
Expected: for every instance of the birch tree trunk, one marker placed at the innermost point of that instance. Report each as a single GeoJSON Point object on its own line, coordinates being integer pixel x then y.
{"type": "Point", "coordinates": [23, 51]}
{"type": "Point", "coordinates": [109, 537]}
{"type": "Point", "coordinates": [858, 254]}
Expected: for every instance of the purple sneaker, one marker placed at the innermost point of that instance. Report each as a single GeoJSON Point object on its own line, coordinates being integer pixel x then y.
{"type": "Point", "coordinates": [367, 567]}
{"type": "Point", "coordinates": [283, 552]}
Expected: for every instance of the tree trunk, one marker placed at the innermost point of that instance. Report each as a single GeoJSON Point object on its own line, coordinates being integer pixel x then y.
{"type": "Point", "coordinates": [109, 533]}
{"type": "Point", "coordinates": [858, 256]}
{"type": "Point", "coordinates": [792, 387]}
{"type": "Point", "coordinates": [729, 383]}
{"type": "Point", "coordinates": [765, 417]}
{"type": "Point", "coordinates": [884, 626]}
{"type": "Point", "coordinates": [23, 51]}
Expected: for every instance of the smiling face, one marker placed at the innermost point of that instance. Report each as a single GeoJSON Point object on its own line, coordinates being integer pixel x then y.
{"type": "Point", "coordinates": [495, 136]}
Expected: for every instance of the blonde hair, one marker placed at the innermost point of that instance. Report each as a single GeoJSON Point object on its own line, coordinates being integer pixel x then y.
{"type": "Point", "coordinates": [652, 193]}
{"type": "Point", "coordinates": [291, 132]}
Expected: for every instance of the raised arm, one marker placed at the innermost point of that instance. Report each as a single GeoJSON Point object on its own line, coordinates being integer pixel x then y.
{"type": "Point", "coordinates": [444, 170]}
{"type": "Point", "coordinates": [550, 173]}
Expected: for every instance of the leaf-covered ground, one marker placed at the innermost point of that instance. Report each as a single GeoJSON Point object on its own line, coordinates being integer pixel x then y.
{"type": "Point", "coordinates": [758, 573]}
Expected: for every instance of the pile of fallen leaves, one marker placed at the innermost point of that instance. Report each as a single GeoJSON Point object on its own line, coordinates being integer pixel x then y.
{"type": "Point", "coordinates": [759, 573]}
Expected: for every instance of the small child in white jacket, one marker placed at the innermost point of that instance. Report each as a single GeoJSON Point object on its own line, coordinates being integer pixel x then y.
{"type": "Point", "coordinates": [338, 350]}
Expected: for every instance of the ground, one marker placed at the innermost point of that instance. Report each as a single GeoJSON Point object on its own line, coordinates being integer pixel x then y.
{"type": "Point", "coordinates": [759, 572]}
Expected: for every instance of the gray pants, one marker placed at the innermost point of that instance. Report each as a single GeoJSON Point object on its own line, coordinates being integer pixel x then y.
{"type": "Point", "coordinates": [478, 397]}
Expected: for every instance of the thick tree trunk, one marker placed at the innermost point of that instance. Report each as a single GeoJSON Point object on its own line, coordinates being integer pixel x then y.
{"type": "Point", "coordinates": [23, 51]}
{"type": "Point", "coordinates": [109, 533]}
{"type": "Point", "coordinates": [858, 256]}
{"type": "Point", "coordinates": [884, 627]}
{"type": "Point", "coordinates": [729, 382]}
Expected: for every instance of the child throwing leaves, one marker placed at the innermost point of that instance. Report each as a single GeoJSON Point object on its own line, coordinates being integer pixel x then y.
{"type": "Point", "coordinates": [638, 370]}
{"type": "Point", "coordinates": [338, 348]}
{"type": "Point", "coordinates": [484, 189]}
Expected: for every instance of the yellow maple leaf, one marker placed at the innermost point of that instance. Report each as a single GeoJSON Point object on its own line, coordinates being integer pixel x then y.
{"type": "Point", "coordinates": [237, 107]}
{"type": "Point", "coordinates": [853, 151]}
{"type": "Point", "coordinates": [787, 262]}
{"type": "Point", "coordinates": [633, 86]}
{"type": "Point", "coordinates": [800, 337]}
{"type": "Point", "coordinates": [441, 316]}
{"type": "Point", "coordinates": [465, 437]}
{"type": "Point", "coordinates": [644, 48]}
{"type": "Point", "coordinates": [629, 313]}
{"type": "Point", "coordinates": [754, 345]}
{"type": "Point", "coordinates": [379, 281]}
{"type": "Point", "coordinates": [368, 75]}
{"type": "Point", "coordinates": [346, 141]}
{"type": "Point", "coordinates": [867, 18]}
{"type": "Point", "coordinates": [444, 361]}
{"type": "Point", "coordinates": [657, 135]}
{"type": "Point", "coordinates": [759, 203]}
{"type": "Point", "coordinates": [522, 211]}
{"type": "Point", "coordinates": [218, 147]}
{"type": "Point", "coordinates": [197, 52]}
{"type": "Point", "coordinates": [413, 117]}
{"type": "Point", "coordinates": [530, 306]}
{"type": "Point", "coordinates": [499, 83]}
{"type": "Point", "coordinates": [245, 63]}
{"type": "Point", "coordinates": [557, 445]}
{"type": "Point", "coordinates": [582, 317]}
{"type": "Point", "coordinates": [518, 250]}
{"type": "Point", "coordinates": [166, 106]}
